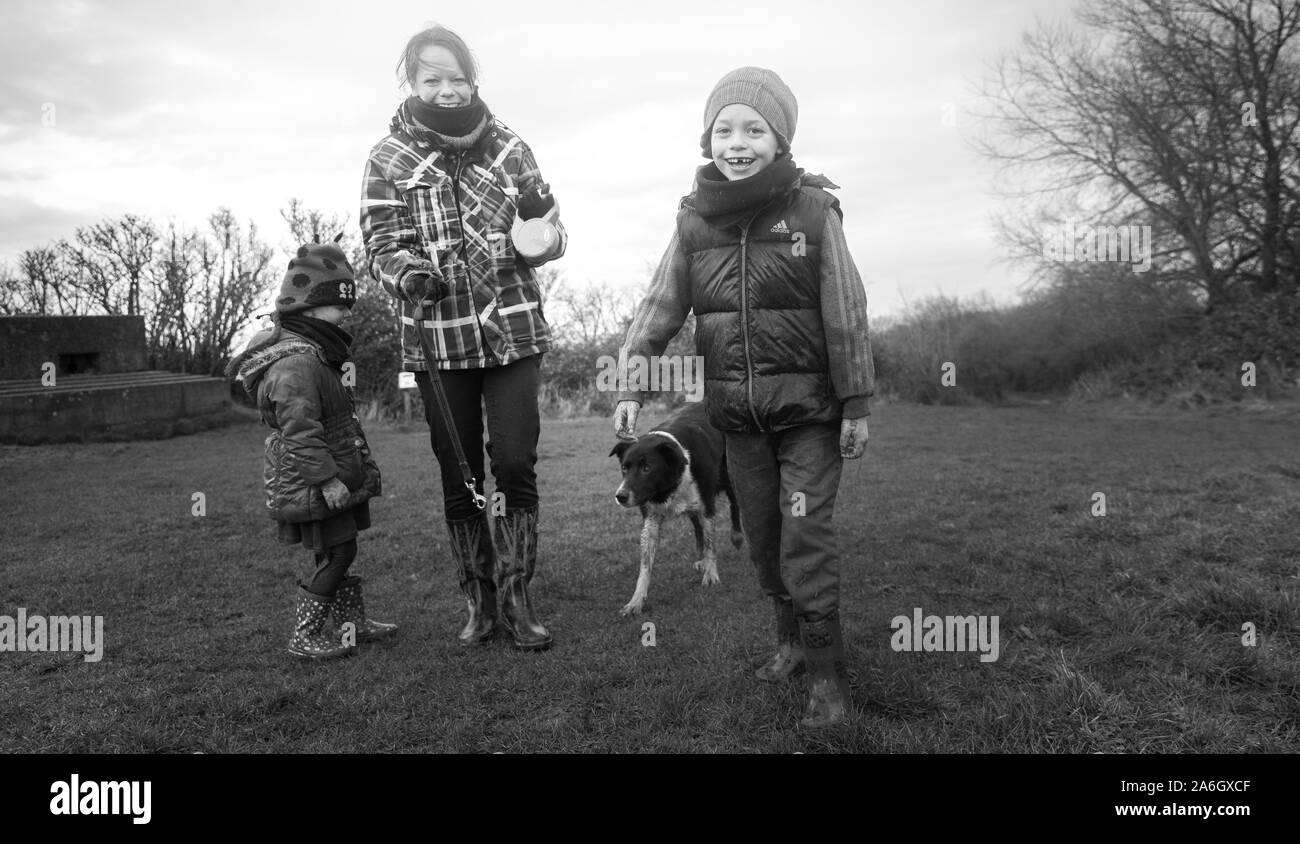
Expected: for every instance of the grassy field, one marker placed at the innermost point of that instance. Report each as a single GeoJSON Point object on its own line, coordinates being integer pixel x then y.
{"type": "Point", "coordinates": [1119, 633]}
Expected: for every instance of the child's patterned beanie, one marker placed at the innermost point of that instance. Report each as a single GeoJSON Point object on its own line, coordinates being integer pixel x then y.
{"type": "Point", "coordinates": [761, 90]}
{"type": "Point", "coordinates": [319, 275]}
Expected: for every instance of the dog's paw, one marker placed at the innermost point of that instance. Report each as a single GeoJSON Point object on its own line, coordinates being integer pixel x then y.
{"type": "Point", "coordinates": [710, 569]}
{"type": "Point", "coordinates": [631, 608]}
{"type": "Point", "coordinates": [737, 539]}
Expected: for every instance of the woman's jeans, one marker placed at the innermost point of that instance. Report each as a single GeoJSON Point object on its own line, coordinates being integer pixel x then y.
{"type": "Point", "coordinates": [509, 394]}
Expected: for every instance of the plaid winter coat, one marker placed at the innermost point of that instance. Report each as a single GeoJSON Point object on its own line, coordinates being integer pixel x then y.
{"type": "Point", "coordinates": [426, 206]}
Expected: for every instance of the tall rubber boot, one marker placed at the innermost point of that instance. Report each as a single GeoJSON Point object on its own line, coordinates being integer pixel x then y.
{"type": "Point", "coordinates": [828, 680]}
{"type": "Point", "coordinates": [350, 606]}
{"type": "Point", "coordinates": [789, 657]}
{"type": "Point", "coordinates": [308, 641]}
{"type": "Point", "coordinates": [516, 540]}
{"type": "Point", "coordinates": [471, 545]}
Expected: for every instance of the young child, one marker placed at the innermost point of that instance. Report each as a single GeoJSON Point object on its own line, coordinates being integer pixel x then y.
{"type": "Point", "coordinates": [781, 321]}
{"type": "Point", "coordinates": [319, 472]}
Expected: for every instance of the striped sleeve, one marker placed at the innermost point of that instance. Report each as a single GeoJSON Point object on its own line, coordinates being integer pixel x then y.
{"type": "Point", "coordinates": [844, 319]}
{"type": "Point", "coordinates": [659, 316]}
{"type": "Point", "coordinates": [393, 247]}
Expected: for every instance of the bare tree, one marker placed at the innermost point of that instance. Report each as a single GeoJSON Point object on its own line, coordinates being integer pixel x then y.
{"type": "Point", "coordinates": [45, 285]}
{"type": "Point", "coordinates": [232, 274]}
{"type": "Point", "coordinates": [10, 291]}
{"type": "Point", "coordinates": [109, 260]}
{"type": "Point", "coordinates": [1178, 113]}
{"type": "Point", "coordinates": [588, 315]}
{"type": "Point", "coordinates": [171, 281]}
{"type": "Point", "coordinates": [311, 225]}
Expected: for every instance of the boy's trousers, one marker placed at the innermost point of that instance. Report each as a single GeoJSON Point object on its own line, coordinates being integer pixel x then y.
{"type": "Point", "coordinates": [785, 484]}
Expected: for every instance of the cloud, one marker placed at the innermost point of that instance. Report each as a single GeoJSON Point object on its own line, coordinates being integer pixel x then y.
{"type": "Point", "coordinates": [26, 224]}
{"type": "Point", "coordinates": [174, 111]}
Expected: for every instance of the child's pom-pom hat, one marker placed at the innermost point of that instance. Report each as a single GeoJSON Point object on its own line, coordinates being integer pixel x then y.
{"type": "Point", "coordinates": [318, 275]}
{"type": "Point", "coordinates": [761, 90]}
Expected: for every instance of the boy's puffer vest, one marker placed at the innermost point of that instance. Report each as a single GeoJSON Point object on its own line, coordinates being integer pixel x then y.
{"type": "Point", "coordinates": [756, 296]}
{"type": "Point", "coordinates": [300, 457]}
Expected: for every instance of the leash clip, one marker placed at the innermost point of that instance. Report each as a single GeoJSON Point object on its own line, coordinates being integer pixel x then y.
{"type": "Point", "coordinates": [480, 500]}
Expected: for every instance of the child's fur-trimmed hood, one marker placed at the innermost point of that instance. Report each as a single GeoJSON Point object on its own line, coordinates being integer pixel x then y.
{"type": "Point", "coordinates": [264, 349]}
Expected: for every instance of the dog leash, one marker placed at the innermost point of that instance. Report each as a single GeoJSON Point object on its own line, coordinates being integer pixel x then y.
{"type": "Point", "coordinates": [444, 410]}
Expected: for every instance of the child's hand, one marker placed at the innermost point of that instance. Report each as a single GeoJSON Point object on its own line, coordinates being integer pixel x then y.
{"type": "Point", "coordinates": [336, 493]}
{"type": "Point", "coordinates": [853, 437]}
{"type": "Point", "coordinates": [625, 414]}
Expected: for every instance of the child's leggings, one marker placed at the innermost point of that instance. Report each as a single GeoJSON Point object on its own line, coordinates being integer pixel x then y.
{"type": "Point", "coordinates": [331, 567]}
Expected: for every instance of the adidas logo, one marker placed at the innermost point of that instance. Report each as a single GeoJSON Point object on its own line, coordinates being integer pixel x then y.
{"type": "Point", "coordinates": [780, 228]}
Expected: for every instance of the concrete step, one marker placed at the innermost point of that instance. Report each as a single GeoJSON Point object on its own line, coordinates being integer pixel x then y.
{"type": "Point", "coordinates": [108, 381]}
{"type": "Point", "coordinates": [110, 406]}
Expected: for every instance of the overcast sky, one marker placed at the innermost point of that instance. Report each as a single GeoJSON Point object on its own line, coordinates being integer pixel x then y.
{"type": "Point", "coordinates": [172, 109]}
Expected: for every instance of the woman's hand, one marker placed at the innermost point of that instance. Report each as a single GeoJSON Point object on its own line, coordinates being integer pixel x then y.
{"type": "Point", "coordinates": [853, 437]}
{"type": "Point", "coordinates": [625, 413]}
{"type": "Point", "coordinates": [424, 287]}
{"type": "Point", "coordinates": [336, 493]}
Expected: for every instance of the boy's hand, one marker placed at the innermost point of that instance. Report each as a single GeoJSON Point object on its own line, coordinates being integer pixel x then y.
{"type": "Point", "coordinates": [853, 437]}
{"type": "Point", "coordinates": [625, 414]}
{"type": "Point", "coordinates": [336, 493]}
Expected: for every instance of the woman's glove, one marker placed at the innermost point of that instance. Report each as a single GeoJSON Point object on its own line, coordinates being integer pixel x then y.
{"type": "Point", "coordinates": [853, 437]}
{"type": "Point", "coordinates": [625, 413]}
{"type": "Point", "coordinates": [423, 287]}
{"type": "Point", "coordinates": [535, 203]}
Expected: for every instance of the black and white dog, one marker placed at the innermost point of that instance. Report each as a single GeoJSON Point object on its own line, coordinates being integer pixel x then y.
{"type": "Point", "coordinates": [677, 467]}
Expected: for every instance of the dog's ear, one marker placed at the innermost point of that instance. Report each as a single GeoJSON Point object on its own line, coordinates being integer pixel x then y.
{"type": "Point", "coordinates": [620, 447]}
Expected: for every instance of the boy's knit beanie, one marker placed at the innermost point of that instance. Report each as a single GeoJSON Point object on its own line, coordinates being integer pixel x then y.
{"type": "Point", "coordinates": [761, 90]}
{"type": "Point", "coordinates": [318, 275]}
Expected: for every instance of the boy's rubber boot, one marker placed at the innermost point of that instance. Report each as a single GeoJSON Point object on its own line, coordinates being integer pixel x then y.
{"type": "Point", "coordinates": [350, 606]}
{"type": "Point", "coordinates": [516, 535]}
{"type": "Point", "coordinates": [789, 657]}
{"type": "Point", "coordinates": [471, 545]}
{"type": "Point", "coordinates": [308, 641]}
{"type": "Point", "coordinates": [828, 680]}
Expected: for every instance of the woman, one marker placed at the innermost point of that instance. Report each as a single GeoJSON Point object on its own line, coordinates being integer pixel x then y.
{"type": "Point", "coordinates": [441, 194]}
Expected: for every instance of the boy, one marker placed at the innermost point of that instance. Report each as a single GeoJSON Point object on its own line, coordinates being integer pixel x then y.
{"type": "Point", "coordinates": [319, 472]}
{"type": "Point", "coordinates": [781, 321]}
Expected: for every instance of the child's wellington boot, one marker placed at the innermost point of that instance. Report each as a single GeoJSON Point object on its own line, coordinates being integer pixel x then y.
{"type": "Point", "coordinates": [307, 641]}
{"type": "Point", "coordinates": [350, 607]}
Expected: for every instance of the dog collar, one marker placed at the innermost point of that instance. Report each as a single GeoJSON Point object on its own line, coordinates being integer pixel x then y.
{"type": "Point", "coordinates": [676, 442]}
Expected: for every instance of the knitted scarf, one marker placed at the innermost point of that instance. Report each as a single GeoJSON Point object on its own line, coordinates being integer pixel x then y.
{"type": "Point", "coordinates": [334, 341]}
{"type": "Point", "coordinates": [454, 128]}
{"type": "Point", "coordinates": [722, 202]}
